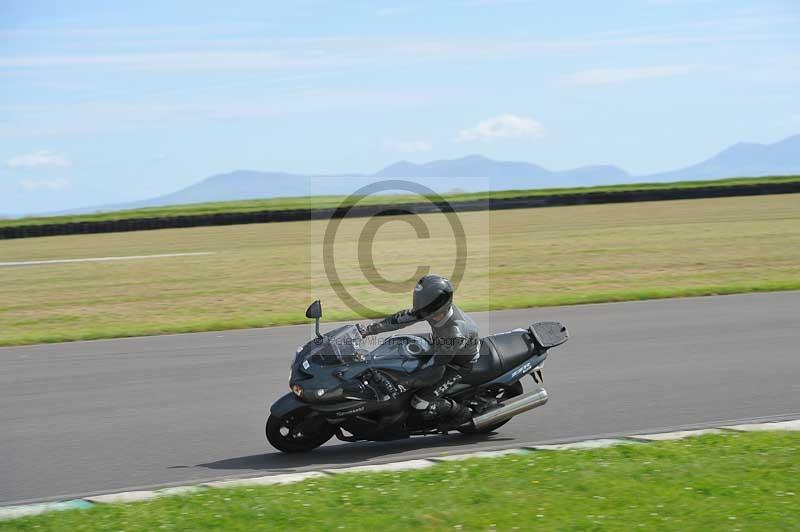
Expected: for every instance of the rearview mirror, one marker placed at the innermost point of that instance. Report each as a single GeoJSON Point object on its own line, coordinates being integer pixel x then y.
{"type": "Point", "coordinates": [314, 310]}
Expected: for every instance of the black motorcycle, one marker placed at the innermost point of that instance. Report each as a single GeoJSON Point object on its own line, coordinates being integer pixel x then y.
{"type": "Point", "coordinates": [339, 388]}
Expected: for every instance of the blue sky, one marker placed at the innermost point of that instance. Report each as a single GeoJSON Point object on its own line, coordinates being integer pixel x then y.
{"type": "Point", "coordinates": [102, 105]}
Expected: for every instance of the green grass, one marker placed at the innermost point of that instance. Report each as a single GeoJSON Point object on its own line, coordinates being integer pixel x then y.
{"type": "Point", "coordinates": [716, 482]}
{"type": "Point", "coordinates": [294, 318]}
{"type": "Point", "coordinates": [266, 274]}
{"type": "Point", "coordinates": [319, 202]}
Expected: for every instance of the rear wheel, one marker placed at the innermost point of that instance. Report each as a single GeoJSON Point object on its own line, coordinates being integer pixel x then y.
{"type": "Point", "coordinates": [298, 432]}
{"type": "Point", "coordinates": [501, 394]}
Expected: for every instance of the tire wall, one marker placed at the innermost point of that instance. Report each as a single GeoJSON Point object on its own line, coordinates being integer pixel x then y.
{"type": "Point", "coordinates": [236, 218]}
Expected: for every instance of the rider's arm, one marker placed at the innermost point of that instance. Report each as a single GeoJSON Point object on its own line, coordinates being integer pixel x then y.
{"type": "Point", "coordinates": [401, 319]}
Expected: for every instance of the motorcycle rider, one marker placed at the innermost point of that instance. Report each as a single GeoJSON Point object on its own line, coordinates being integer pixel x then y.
{"type": "Point", "coordinates": [455, 340]}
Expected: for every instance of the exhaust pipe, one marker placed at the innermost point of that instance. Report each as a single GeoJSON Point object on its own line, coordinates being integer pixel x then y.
{"type": "Point", "coordinates": [512, 407]}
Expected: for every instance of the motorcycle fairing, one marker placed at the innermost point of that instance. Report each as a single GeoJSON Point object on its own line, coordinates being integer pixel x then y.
{"type": "Point", "coordinates": [515, 374]}
{"type": "Point", "coordinates": [334, 363]}
{"type": "Point", "coordinates": [505, 358]}
{"type": "Point", "coordinates": [284, 405]}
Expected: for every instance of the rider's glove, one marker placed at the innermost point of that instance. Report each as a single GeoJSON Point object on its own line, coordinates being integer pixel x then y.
{"type": "Point", "coordinates": [363, 330]}
{"type": "Point", "coordinates": [407, 316]}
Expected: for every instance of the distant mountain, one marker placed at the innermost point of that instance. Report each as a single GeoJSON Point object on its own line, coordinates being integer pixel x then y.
{"type": "Point", "coordinates": [471, 173]}
{"type": "Point", "coordinates": [743, 159]}
{"type": "Point", "coordinates": [250, 184]}
{"type": "Point", "coordinates": [514, 174]}
{"type": "Point", "coordinates": [238, 185]}
{"type": "Point", "coordinates": [469, 166]}
{"type": "Point", "coordinates": [475, 173]}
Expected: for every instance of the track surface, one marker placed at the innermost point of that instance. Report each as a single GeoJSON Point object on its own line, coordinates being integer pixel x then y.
{"type": "Point", "coordinates": [91, 417]}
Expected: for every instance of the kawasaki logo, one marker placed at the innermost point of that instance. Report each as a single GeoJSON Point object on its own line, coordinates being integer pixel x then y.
{"type": "Point", "coordinates": [351, 412]}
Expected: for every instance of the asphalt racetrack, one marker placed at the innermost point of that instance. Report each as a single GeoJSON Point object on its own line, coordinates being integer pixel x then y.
{"type": "Point", "coordinates": [92, 417]}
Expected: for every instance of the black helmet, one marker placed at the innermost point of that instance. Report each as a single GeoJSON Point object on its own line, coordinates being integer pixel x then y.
{"type": "Point", "coordinates": [432, 295]}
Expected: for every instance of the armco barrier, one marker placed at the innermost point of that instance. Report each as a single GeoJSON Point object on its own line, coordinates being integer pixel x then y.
{"type": "Point", "coordinates": [237, 218]}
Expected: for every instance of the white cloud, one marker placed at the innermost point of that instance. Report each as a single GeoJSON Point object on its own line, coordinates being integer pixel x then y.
{"type": "Point", "coordinates": [504, 126]}
{"type": "Point", "coordinates": [33, 185]}
{"type": "Point", "coordinates": [41, 159]}
{"type": "Point", "coordinates": [407, 146]}
{"type": "Point", "coordinates": [610, 76]}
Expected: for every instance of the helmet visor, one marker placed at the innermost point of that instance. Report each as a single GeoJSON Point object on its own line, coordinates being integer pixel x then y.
{"type": "Point", "coordinates": [426, 308]}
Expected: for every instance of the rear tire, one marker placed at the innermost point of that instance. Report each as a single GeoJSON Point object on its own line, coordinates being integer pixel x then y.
{"type": "Point", "coordinates": [282, 432]}
{"type": "Point", "coordinates": [512, 391]}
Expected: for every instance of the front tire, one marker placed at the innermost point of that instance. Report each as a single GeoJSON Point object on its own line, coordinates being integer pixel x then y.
{"type": "Point", "coordinates": [298, 432]}
{"type": "Point", "coordinates": [501, 395]}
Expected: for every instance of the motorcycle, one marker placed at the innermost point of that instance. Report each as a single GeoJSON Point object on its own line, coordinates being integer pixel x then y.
{"type": "Point", "coordinates": [339, 388]}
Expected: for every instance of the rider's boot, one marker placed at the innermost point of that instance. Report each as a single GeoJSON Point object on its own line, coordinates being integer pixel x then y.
{"type": "Point", "coordinates": [435, 406]}
{"type": "Point", "coordinates": [450, 414]}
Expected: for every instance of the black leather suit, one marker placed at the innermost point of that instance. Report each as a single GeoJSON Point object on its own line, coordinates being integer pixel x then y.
{"type": "Point", "coordinates": [455, 340]}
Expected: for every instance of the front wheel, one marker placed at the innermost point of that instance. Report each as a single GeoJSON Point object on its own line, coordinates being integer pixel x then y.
{"type": "Point", "coordinates": [298, 432]}
{"type": "Point", "coordinates": [501, 394]}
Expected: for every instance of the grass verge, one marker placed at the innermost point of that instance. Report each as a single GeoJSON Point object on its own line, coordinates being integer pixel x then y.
{"type": "Point", "coordinates": [322, 202]}
{"type": "Point", "coordinates": [295, 318]}
{"type": "Point", "coordinates": [266, 274]}
{"type": "Point", "coordinates": [714, 482]}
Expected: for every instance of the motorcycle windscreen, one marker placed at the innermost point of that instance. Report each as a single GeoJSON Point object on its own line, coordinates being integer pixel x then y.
{"type": "Point", "coordinates": [340, 346]}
